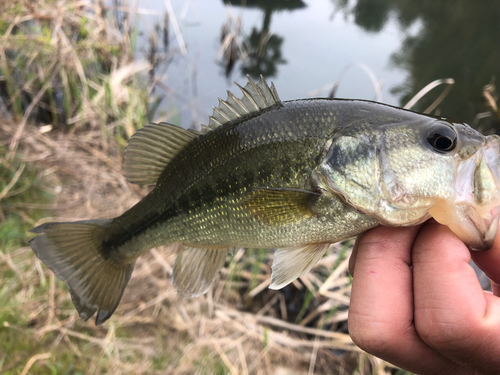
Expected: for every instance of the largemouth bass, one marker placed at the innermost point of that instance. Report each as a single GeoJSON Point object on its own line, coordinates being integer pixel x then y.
{"type": "Point", "coordinates": [296, 176]}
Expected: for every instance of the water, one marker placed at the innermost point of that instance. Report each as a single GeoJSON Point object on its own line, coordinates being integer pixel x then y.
{"type": "Point", "coordinates": [405, 45]}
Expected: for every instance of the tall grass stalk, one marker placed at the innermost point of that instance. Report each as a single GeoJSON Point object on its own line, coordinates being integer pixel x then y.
{"type": "Point", "coordinates": [71, 64]}
{"type": "Point", "coordinates": [60, 64]}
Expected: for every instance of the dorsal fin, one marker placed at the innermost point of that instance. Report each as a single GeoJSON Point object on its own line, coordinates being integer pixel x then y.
{"type": "Point", "coordinates": [256, 98]}
{"type": "Point", "coordinates": [151, 148]}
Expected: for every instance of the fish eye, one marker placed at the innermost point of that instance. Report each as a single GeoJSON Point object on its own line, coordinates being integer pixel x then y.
{"type": "Point", "coordinates": [442, 138]}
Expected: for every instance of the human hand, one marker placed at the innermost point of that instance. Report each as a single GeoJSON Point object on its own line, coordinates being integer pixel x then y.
{"type": "Point", "coordinates": [416, 301]}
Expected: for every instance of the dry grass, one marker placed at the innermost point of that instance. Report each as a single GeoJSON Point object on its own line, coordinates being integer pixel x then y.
{"type": "Point", "coordinates": [239, 327]}
{"type": "Point", "coordinates": [70, 66]}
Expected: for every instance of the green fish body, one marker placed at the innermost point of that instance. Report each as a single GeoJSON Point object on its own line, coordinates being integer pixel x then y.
{"type": "Point", "coordinates": [296, 176]}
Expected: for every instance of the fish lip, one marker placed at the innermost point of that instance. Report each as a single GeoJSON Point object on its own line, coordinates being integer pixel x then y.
{"type": "Point", "coordinates": [470, 137]}
{"type": "Point", "coordinates": [491, 233]}
{"type": "Point", "coordinates": [492, 158]}
{"type": "Point", "coordinates": [492, 155]}
{"type": "Point", "coordinates": [488, 236]}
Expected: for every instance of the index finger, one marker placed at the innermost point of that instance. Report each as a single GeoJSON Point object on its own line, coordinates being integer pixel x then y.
{"type": "Point", "coordinates": [489, 262]}
{"type": "Point", "coordinates": [381, 309]}
{"type": "Point", "coordinates": [452, 313]}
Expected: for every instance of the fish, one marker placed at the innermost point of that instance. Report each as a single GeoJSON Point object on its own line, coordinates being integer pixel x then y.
{"type": "Point", "coordinates": [295, 176]}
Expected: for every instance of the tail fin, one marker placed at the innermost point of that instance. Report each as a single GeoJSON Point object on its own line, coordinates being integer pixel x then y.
{"type": "Point", "coordinates": [74, 252]}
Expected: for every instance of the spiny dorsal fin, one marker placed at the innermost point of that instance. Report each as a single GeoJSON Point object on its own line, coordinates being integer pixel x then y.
{"type": "Point", "coordinates": [290, 263]}
{"type": "Point", "coordinates": [256, 98]}
{"type": "Point", "coordinates": [151, 148]}
{"type": "Point", "coordinates": [280, 206]}
{"type": "Point", "coordinates": [196, 269]}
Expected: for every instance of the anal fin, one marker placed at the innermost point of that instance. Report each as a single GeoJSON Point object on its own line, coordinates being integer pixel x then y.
{"type": "Point", "coordinates": [195, 269]}
{"type": "Point", "coordinates": [290, 263]}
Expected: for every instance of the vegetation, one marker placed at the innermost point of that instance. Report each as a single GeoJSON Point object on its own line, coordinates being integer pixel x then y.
{"type": "Point", "coordinates": [239, 327]}
{"type": "Point", "coordinates": [442, 40]}
{"type": "Point", "coordinates": [72, 64]}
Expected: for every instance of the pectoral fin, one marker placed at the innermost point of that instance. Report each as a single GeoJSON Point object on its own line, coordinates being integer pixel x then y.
{"type": "Point", "coordinates": [196, 269]}
{"type": "Point", "coordinates": [280, 206]}
{"type": "Point", "coordinates": [290, 263]}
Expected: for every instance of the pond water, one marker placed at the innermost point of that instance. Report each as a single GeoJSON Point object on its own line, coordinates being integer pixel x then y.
{"type": "Point", "coordinates": [385, 50]}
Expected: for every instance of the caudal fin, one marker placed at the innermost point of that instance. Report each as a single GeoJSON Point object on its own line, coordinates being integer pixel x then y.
{"type": "Point", "coordinates": [74, 252]}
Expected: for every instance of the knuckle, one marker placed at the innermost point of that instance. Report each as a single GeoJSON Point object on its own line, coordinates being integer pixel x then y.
{"type": "Point", "coordinates": [373, 338]}
{"type": "Point", "coordinates": [443, 334]}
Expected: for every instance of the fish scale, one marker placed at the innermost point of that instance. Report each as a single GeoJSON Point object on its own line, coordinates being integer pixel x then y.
{"type": "Point", "coordinates": [210, 192]}
{"type": "Point", "coordinates": [295, 176]}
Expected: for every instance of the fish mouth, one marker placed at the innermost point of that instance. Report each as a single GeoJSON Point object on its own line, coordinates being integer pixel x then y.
{"type": "Point", "coordinates": [492, 156]}
{"type": "Point", "coordinates": [487, 189]}
{"type": "Point", "coordinates": [476, 231]}
{"type": "Point", "coordinates": [484, 212]}
{"type": "Point", "coordinates": [474, 216]}
{"type": "Point", "coordinates": [485, 233]}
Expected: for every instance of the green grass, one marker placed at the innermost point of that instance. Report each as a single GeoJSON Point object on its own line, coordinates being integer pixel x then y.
{"type": "Point", "coordinates": [17, 217]}
{"type": "Point", "coordinates": [74, 76]}
{"type": "Point", "coordinates": [19, 344]}
{"type": "Point", "coordinates": [17, 288]}
{"type": "Point", "coordinates": [18, 339]}
{"type": "Point", "coordinates": [77, 91]}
